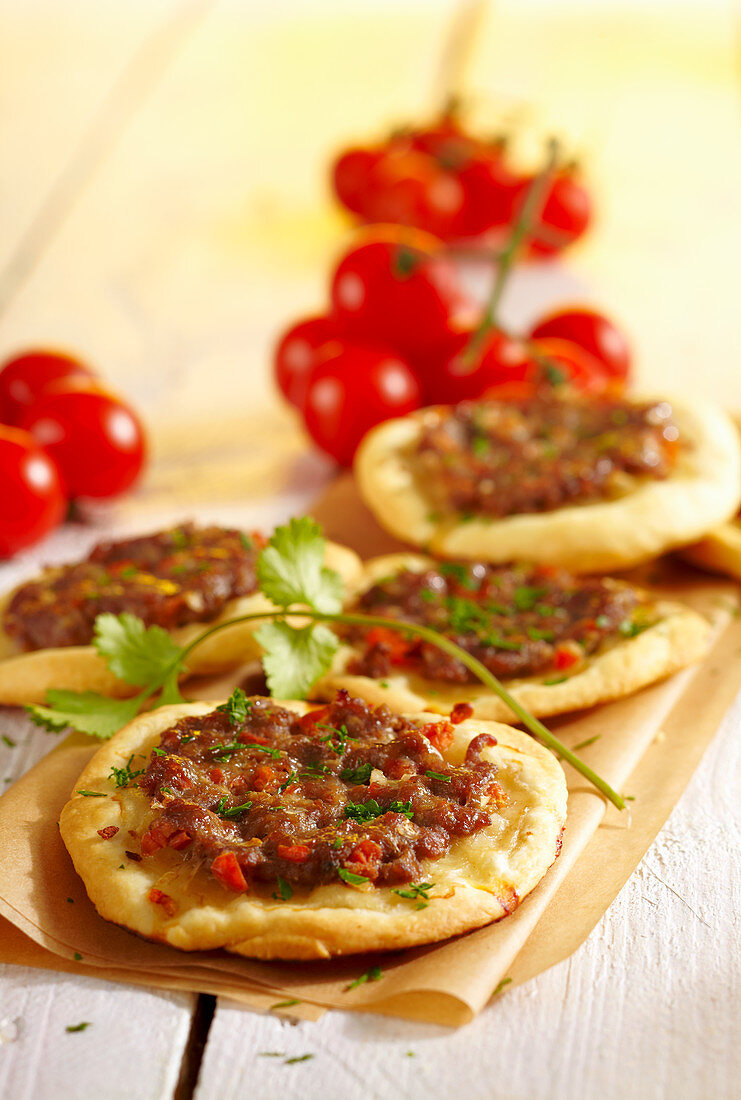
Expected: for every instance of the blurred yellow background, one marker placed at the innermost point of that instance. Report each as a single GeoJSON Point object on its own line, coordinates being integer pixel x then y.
{"type": "Point", "coordinates": [164, 207]}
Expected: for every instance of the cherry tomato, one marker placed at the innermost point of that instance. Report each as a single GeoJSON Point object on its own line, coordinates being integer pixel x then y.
{"type": "Point", "coordinates": [445, 140]}
{"type": "Point", "coordinates": [491, 192]}
{"type": "Point", "coordinates": [561, 361]}
{"type": "Point", "coordinates": [94, 437]}
{"type": "Point", "coordinates": [396, 288]}
{"type": "Point", "coordinates": [593, 332]}
{"type": "Point", "coordinates": [297, 353]}
{"type": "Point", "coordinates": [353, 389]}
{"type": "Point", "coordinates": [410, 188]}
{"type": "Point", "coordinates": [466, 370]}
{"type": "Point", "coordinates": [33, 501]}
{"type": "Point", "coordinates": [566, 213]}
{"type": "Point", "coordinates": [25, 377]}
{"type": "Point", "coordinates": [351, 176]}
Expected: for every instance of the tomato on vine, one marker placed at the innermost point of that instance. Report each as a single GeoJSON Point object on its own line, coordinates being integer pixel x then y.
{"type": "Point", "coordinates": [25, 377]}
{"type": "Point", "coordinates": [396, 288]}
{"type": "Point", "coordinates": [33, 500]}
{"type": "Point", "coordinates": [351, 390]}
{"type": "Point", "coordinates": [297, 353]}
{"type": "Point", "coordinates": [95, 438]}
{"type": "Point", "coordinates": [593, 332]}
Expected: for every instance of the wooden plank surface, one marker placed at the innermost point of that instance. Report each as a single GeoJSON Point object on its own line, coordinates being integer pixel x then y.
{"type": "Point", "coordinates": [177, 257]}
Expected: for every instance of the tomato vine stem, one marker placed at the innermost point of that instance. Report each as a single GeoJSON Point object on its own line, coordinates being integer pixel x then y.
{"type": "Point", "coordinates": [427, 634]}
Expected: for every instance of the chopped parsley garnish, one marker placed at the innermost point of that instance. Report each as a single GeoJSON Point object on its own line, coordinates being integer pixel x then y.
{"type": "Point", "coordinates": [298, 1058]}
{"type": "Point", "coordinates": [373, 975]}
{"type": "Point", "coordinates": [555, 680]}
{"type": "Point", "coordinates": [157, 751]}
{"type": "Point", "coordinates": [78, 1027]}
{"type": "Point", "coordinates": [368, 811]}
{"type": "Point", "coordinates": [540, 635]}
{"type": "Point", "coordinates": [589, 741]}
{"type": "Point", "coordinates": [237, 707]}
{"type": "Point", "coordinates": [9, 741]}
{"type": "Point", "coordinates": [351, 878]}
{"type": "Point", "coordinates": [337, 738]}
{"type": "Point", "coordinates": [289, 782]}
{"type": "Point", "coordinates": [630, 628]}
{"type": "Point", "coordinates": [77, 956]}
{"type": "Point", "coordinates": [285, 890]}
{"type": "Point", "coordinates": [168, 790]}
{"type": "Point", "coordinates": [285, 1004]}
{"type": "Point", "coordinates": [418, 892]}
{"type": "Point", "coordinates": [356, 776]}
{"type": "Point", "coordinates": [179, 538]}
{"type": "Point", "coordinates": [124, 776]}
{"type": "Point", "coordinates": [247, 543]}
{"type": "Point", "coordinates": [460, 573]}
{"type": "Point", "coordinates": [437, 775]}
{"type": "Point", "coordinates": [235, 811]}
{"type": "Point", "coordinates": [92, 794]}
{"type": "Point", "coordinates": [313, 771]}
{"type": "Point", "coordinates": [500, 987]}
{"type": "Point", "coordinates": [526, 596]}
{"type": "Point", "coordinates": [337, 843]}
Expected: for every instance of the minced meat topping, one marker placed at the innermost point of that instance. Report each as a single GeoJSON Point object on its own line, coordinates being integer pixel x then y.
{"type": "Point", "coordinates": [183, 575]}
{"type": "Point", "coordinates": [507, 458]}
{"type": "Point", "coordinates": [518, 620]}
{"type": "Point", "coordinates": [347, 793]}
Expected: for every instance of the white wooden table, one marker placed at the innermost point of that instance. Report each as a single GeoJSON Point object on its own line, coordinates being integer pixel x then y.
{"type": "Point", "coordinates": [160, 211]}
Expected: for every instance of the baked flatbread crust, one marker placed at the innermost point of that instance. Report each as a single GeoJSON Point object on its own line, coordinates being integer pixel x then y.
{"type": "Point", "coordinates": [703, 491]}
{"type": "Point", "coordinates": [482, 878]}
{"type": "Point", "coordinates": [25, 677]}
{"type": "Point", "coordinates": [719, 552]}
{"type": "Point", "coordinates": [679, 637]}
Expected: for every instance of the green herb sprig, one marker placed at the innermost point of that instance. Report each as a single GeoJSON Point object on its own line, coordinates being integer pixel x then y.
{"type": "Point", "coordinates": [297, 641]}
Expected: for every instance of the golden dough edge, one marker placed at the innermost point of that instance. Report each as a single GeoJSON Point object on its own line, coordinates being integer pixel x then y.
{"type": "Point", "coordinates": [718, 552]}
{"type": "Point", "coordinates": [607, 535]}
{"type": "Point", "coordinates": [26, 677]}
{"type": "Point", "coordinates": [264, 929]}
{"type": "Point", "coordinates": [680, 637]}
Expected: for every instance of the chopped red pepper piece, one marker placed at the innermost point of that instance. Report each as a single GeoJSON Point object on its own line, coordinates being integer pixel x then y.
{"type": "Point", "coordinates": [294, 853]}
{"type": "Point", "coordinates": [158, 898]}
{"type": "Point", "coordinates": [396, 645]}
{"type": "Point", "coordinates": [440, 734]}
{"type": "Point", "coordinates": [226, 870]}
{"type": "Point", "coordinates": [565, 657]}
{"type": "Point", "coordinates": [108, 832]}
{"type": "Point", "coordinates": [460, 713]}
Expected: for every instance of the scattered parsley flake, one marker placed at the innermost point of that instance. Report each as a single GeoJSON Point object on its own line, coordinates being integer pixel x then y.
{"type": "Point", "coordinates": [298, 1058]}
{"type": "Point", "coordinates": [124, 776]}
{"type": "Point", "coordinates": [417, 891]}
{"type": "Point", "coordinates": [358, 775]}
{"type": "Point", "coordinates": [351, 878]}
{"type": "Point", "coordinates": [504, 982]}
{"type": "Point", "coordinates": [373, 975]}
{"type": "Point", "coordinates": [589, 741]}
{"type": "Point", "coordinates": [271, 1054]}
{"type": "Point", "coordinates": [284, 889]}
{"type": "Point", "coordinates": [555, 680]}
{"type": "Point", "coordinates": [438, 775]}
{"type": "Point", "coordinates": [78, 1027]}
{"type": "Point", "coordinates": [285, 1004]}
{"type": "Point", "coordinates": [77, 956]}
{"type": "Point", "coordinates": [9, 741]}
{"type": "Point", "coordinates": [92, 794]}
{"type": "Point", "coordinates": [237, 707]}
{"type": "Point", "coordinates": [157, 751]}
{"type": "Point", "coordinates": [247, 543]}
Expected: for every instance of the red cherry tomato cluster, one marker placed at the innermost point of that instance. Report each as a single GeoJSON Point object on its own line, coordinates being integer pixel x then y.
{"type": "Point", "coordinates": [63, 436]}
{"type": "Point", "coordinates": [392, 341]}
{"type": "Point", "coordinates": [446, 181]}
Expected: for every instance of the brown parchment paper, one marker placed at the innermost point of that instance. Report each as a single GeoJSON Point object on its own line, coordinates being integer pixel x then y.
{"type": "Point", "coordinates": [648, 746]}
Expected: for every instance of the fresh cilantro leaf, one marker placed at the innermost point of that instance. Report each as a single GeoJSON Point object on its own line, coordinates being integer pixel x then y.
{"type": "Point", "coordinates": [294, 659]}
{"type": "Point", "coordinates": [138, 654]}
{"type": "Point", "coordinates": [291, 569]}
{"type": "Point", "coordinates": [85, 711]}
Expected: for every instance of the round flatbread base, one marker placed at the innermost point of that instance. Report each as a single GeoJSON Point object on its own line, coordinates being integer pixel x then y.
{"type": "Point", "coordinates": [481, 879]}
{"type": "Point", "coordinates": [26, 677]}
{"type": "Point", "coordinates": [654, 516]}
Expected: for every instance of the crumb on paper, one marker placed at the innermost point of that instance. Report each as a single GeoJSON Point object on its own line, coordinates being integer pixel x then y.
{"type": "Point", "coordinates": [10, 1029]}
{"type": "Point", "coordinates": [660, 737]}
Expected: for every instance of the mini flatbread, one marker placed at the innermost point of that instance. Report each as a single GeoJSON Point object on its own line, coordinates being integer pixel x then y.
{"type": "Point", "coordinates": [25, 677]}
{"type": "Point", "coordinates": [650, 518]}
{"type": "Point", "coordinates": [679, 636]}
{"type": "Point", "coordinates": [481, 879]}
